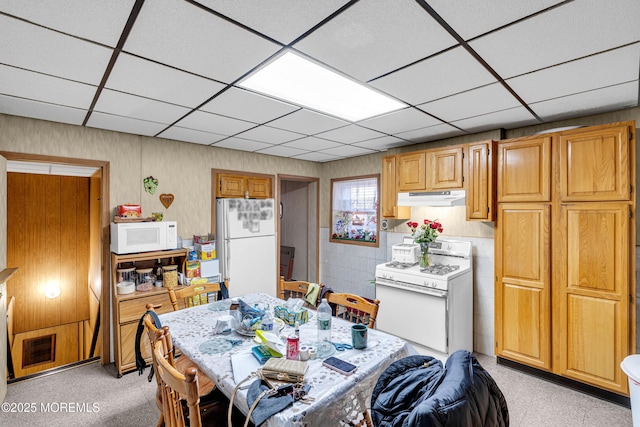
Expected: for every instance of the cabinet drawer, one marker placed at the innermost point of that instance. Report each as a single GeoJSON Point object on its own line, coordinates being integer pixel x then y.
{"type": "Point", "coordinates": [131, 310]}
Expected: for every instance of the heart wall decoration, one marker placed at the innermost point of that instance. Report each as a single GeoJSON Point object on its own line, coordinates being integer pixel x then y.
{"type": "Point", "coordinates": [166, 200]}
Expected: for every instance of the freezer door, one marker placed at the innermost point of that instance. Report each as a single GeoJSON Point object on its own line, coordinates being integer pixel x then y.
{"type": "Point", "coordinates": [251, 265]}
{"type": "Point", "coordinates": [245, 218]}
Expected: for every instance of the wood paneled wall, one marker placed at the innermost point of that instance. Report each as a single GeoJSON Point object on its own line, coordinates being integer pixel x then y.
{"type": "Point", "coordinates": [48, 240]}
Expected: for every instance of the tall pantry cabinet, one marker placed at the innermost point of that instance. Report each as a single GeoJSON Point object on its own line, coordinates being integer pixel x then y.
{"type": "Point", "coordinates": [565, 253]}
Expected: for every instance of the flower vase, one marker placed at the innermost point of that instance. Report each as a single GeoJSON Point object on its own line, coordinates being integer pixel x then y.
{"type": "Point", "coordinates": [424, 258]}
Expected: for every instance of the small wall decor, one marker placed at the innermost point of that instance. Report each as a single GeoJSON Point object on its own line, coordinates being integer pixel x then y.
{"type": "Point", "coordinates": [166, 200]}
{"type": "Point", "coordinates": [150, 184]}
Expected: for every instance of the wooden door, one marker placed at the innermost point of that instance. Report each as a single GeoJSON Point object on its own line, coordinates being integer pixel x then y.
{"type": "Point", "coordinates": [389, 206]}
{"type": "Point", "coordinates": [524, 170]}
{"type": "Point", "coordinates": [445, 168]}
{"type": "Point", "coordinates": [592, 293]}
{"type": "Point", "coordinates": [480, 186]}
{"type": "Point", "coordinates": [411, 171]}
{"type": "Point", "coordinates": [594, 164]}
{"type": "Point", "coordinates": [523, 284]}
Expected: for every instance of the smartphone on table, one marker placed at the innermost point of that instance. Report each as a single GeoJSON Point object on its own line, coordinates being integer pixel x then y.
{"type": "Point", "coordinates": [339, 365]}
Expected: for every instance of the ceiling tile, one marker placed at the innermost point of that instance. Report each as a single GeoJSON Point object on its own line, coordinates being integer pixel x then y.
{"type": "Point", "coordinates": [311, 143]}
{"type": "Point", "coordinates": [382, 143]}
{"type": "Point", "coordinates": [508, 119]}
{"type": "Point", "coordinates": [41, 87]}
{"type": "Point", "coordinates": [399, 121]}
{"type": "Point", "coordinates": [213, 123]}
{"type": "Point", "coordinates": [282, 20]}
{"type": "Point", "coordinates": [470, 18]}
{"type": "Point", "coordinates": [350, 134]}
{"type": "Point", "coordinates": [596, 101]}
{"type": "Point", "coordinates": [441, 131]}
{"type": "Point", "coordinates": [136, 107]}
{"type": "Point", "coordinates": [124, 124]}
{"type": "Point", "coordinates": [95, 20]}
{"type": "Point", "coordinates": [282, 151]}
{"type": "Point", "coordinates": [180, 34]}
{"type": "Point", "coordinates": [316, 157]}
{"type": "Point", "coordinates": [145, 78]}
{"type": "Point", "coordinates": [270, 135]}
{"type": "Point", "coordinates": [41, 110]}
{"type": "Point", "coordinates": [347, 151]}
{"type": "Point", "coordinates": [442, 75]}
{"type": "Point", "coordinates": [355, 40]}
{"type": "Point", "coordinates": [579, 76]}
{"type": "Point", "coordinates": [236, 143]}
{"type": "Point", "coordinates": [248, 106]}
{"type": "Point", "coordinates": [35, 48]}
{"type": "Point", "coordinates": [567, 32]}
{"type": "Point", "coordinates": [486, 99]}
{"type": "Point", "coordinates": [307, 122]}
{"type": "Point", "coordinates": [191, 135]}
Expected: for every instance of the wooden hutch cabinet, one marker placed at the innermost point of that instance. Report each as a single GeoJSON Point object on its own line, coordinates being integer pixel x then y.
{"type": "Point", "coordinates": [565, 253]}
{"type": "Point", "coordinates": [129, 308]}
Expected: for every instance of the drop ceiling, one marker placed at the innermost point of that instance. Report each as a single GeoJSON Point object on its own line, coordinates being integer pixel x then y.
{"type": "Point", "coordinates": [170, 68]}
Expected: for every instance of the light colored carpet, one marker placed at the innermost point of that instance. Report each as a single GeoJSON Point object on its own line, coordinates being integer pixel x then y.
{"type": "Point", "coordinates": [129, 401]}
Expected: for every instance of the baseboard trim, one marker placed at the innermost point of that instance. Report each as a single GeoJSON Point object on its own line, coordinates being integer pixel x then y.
{"type": "Point", "coordinates": [54, 370]}
{"type": "Point", "coordinates": [567, 382]}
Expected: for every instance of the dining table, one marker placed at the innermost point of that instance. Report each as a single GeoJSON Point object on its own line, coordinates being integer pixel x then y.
{"type": "Point", "coordinates": [225, 356]}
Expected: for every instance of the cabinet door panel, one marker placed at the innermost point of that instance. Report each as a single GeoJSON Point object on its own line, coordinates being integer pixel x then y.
{"type": "Point", "coordinates": [522, 293]}
{"type": "Point", "coordinates": [259, 187]}
{"type": "Point", "coordinates": [389, 205]}
{"type": "Point", "coordinates": [480, 186]}
{"type": "Point", "coordinates": [594, 165]}
{"type": "Point", "coordinates": [411, 171]}
{"type": "Point", "coordinates": [231, 185]}
{"type": "Point", "coordinates": [592, 293]}
{"type": "Point", "coordinates": [446, 169]}
{"type": "Point", "coordinates": [524, 170]}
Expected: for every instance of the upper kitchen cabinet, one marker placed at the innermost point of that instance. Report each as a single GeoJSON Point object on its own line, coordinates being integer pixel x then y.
{"type": "Point", "coordinates": [426, 170]}
{"type": "Point", "coordinates": [444, 168]}
{"type": "Point", "coordinates": [594, 163]}
{"type": "Point", "coordinates": [480, 181]}
{"type": "Point", "coordinates": [256, 187]}
{"type": "Point", "coordinates": [389, 204]}
{"type": "Point", "coordinates": [524, 170]}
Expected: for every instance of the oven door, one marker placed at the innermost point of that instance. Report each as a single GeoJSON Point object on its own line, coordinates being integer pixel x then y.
{"type": "Point", "coordinates": [418, 315]}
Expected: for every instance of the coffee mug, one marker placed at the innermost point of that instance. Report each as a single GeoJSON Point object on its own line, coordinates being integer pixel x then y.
{"type": "Point", "coordinates": [359, 336]}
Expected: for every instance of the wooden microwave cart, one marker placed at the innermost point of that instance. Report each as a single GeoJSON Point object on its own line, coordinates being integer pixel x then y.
{"type": "Point", "coordinates": [129, 308]}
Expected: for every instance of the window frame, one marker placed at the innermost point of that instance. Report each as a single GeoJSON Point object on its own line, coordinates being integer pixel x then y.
{"type": "Point", "coordinates": [370, 243]}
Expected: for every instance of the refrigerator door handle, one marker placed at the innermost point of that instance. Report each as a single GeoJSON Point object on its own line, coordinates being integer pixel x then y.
{"type": "Point", "coordinates": [227, 262]}
{"type": "Point", "coordinates": [281, 210]}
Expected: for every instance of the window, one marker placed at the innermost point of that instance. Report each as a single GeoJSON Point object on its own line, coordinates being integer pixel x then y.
{"type": "Point", "coordinates": [354, 210]}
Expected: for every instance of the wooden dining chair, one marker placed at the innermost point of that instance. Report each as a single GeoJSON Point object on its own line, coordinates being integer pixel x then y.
{"type": "Point", "coordinates": [191, 292]}
{"type": "Point", "coordinates": [297, 289]}
{"type": "Point", "coordinates": [354, 308]}
{"type": "Point", "coordinates": [182, 362]}
{"type": "Point", "coordinates": [174, 387]}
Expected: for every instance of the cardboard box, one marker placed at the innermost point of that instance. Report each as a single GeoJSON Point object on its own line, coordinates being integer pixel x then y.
{"type": "Point", "coordinates": [206, 251]}
{"type": "Point", "coordinates": [209, 268]}
{"type": "Point", "coordinates": [193, 269]}
{"type": "Point", "coordinates": [289, 317]}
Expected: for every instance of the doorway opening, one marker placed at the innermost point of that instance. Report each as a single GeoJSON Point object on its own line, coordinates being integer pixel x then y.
{"type": "Point", "coordinates": [299, 227]}
{"type": "Point", "coordinates": [58, 240]}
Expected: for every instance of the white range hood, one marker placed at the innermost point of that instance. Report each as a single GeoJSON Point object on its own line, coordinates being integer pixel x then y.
{"type": "Point", "coordinates": [432, 198]}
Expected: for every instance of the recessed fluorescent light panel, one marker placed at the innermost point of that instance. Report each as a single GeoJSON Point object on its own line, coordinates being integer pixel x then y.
{"type": "Point", "coordinates": [295, 79]}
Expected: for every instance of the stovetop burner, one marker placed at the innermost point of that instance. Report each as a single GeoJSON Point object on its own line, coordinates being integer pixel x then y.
{"type": "Point", "coordinates": [440, 269]}
{"type": "Point", "coordinates": [399, 265]}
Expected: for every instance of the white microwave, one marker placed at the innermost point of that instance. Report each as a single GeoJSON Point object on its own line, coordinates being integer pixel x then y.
{"type": "Point", "coordinates": [132, 237]}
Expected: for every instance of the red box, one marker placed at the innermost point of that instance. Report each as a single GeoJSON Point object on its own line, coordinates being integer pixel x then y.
{"type": "Point", "coordinates": [129, 211]}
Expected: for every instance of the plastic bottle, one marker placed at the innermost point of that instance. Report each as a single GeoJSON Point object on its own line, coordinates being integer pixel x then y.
{"type": "Point", "coordinates": [293, 343]}
{"type": "Point", "coordinates": [266, 324]}
{"type": "Point", "coordinates": [324, 328]}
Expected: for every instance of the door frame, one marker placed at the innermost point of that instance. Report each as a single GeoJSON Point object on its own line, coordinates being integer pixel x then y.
{"type": "Point", "coordinates": [281, 178]}
{"type": "Point", "coordinates": [105, 292]}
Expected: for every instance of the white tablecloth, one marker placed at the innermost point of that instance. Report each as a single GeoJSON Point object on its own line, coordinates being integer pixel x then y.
{"type": "Point", "coordinates": [338, 398]}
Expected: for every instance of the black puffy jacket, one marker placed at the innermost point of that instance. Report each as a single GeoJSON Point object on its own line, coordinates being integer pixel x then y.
{"type": "Point", "coordinates": [417, 392]}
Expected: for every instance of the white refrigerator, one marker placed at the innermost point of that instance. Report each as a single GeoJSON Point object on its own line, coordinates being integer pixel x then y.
{"type": "Point", "coordinates": [246, 245]}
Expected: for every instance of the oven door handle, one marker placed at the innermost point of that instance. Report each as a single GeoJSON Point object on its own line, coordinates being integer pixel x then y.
{"type": "Point", "coordinates": [411, 288]}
